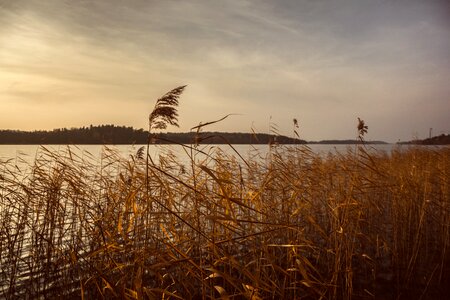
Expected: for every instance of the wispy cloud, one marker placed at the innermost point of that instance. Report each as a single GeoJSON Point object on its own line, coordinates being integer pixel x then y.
{"type": "Point", "coordinates": [325, 62]}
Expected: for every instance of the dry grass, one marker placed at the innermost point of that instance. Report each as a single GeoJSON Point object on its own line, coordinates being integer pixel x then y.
{"type": "Point", "coordinates": [294, 225]}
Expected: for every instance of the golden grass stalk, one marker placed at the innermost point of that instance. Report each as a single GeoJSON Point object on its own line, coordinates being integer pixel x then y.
{"type": "Point", "coordinates": [295, 225]}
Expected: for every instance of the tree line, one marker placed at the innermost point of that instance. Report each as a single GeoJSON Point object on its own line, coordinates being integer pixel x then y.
{"type": "Point", "coordinates": [443, 139]}
{"type": "Point", "coordinates": [112, 134]}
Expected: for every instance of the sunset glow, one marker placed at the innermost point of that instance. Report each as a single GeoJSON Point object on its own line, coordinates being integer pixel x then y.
{"type": "Point", "coordinates": [76, 63]}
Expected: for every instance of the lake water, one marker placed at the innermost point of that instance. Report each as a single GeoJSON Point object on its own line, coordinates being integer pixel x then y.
{"type": "Point", "coordinates": [28, 153]}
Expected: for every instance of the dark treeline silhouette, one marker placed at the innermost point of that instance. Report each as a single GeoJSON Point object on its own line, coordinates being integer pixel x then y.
{"type": "Point", "coordinates": [103, 134]}
{"type": "Point", "coordinates": [226, 137]}
{"type": "Point", "coordinates": [111, 134]}
{"type": "Point", "coordinates": [443, 139]}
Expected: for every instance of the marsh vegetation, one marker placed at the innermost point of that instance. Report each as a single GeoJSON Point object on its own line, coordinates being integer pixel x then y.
{"type": "Point", "coordinates": [290, 225]}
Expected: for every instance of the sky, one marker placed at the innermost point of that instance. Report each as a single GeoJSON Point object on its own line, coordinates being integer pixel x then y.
{"type": "Point", "coordinates": [73, 63]}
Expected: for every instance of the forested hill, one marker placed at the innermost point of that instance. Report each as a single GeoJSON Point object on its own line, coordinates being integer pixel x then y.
{"type": "Point", "coordinates": [443, 139]}
{"type": "Point", "coordinates": [111, 134]}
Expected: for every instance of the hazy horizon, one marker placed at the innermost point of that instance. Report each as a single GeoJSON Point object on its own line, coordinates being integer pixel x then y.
{"type": "Point", "coordinates": [325, 63]}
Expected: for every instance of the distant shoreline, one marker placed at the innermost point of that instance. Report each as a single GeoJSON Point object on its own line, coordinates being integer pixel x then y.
{"type": "Point", "coordinates": [443, 139]}
{"type": "Point", "coordinates": [121, 135]}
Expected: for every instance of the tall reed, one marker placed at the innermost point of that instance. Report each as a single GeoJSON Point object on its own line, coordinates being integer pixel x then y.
{"type": "Point", "coordinates": [293, 225]}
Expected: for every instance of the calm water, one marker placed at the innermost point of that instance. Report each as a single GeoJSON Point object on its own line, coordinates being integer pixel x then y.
{"type": "Point", "coordinates": [30, 152]}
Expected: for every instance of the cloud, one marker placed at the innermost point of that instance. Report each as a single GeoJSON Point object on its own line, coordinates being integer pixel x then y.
{"type": "Point", "coordinates": [326, 62]}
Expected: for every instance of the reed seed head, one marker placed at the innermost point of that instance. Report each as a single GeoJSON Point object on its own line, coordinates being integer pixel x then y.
{"type": "Point", "coordinates": [165, 110]}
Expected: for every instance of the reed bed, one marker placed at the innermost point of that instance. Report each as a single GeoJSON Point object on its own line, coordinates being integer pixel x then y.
{"type": "Point", "coordinates": [291, 225]}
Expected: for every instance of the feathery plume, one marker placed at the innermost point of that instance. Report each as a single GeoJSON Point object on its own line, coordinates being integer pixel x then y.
{"type": "Point", "coordinates": [165, 111]}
